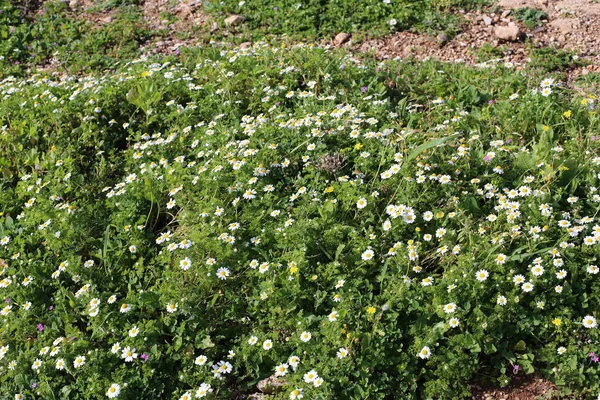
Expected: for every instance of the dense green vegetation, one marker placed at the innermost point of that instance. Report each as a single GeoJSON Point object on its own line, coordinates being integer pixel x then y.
{"type": "Point", "coordinates": [397, 227]}
{"type": "Point", "coordinates": [317, 18]}
{"type": "Point", "coordinates": [188, 225]}
{"type": "Point", "coordinates": [34, 37]}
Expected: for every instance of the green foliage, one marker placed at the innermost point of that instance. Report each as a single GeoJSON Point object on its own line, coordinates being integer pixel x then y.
{"type": "Point", "coordinates": [58, 37]}
{"type": "Point", "coordinates": [530, 17]}
{"type": "Point", "coordinates": [549, 59]}
{"type": "Point", "coordinates": [315, 18]}
{"type": "Point", "coordinates": [220, 206]}
{"type": "Point", "coordinates": [488, 52]}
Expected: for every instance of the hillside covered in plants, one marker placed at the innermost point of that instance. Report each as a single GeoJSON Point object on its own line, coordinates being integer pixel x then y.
{"type": "Point", "coordinates": [188, 226]}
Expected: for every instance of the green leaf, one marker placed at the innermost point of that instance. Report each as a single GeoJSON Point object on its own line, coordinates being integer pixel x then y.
{"type": "Point", "coordinates": [339, 250]}
{"type": "Point", "coordinates": [150, 299]}
{"type": "Point", "coordinates": [365, 341]}
{"type": "Point", "coordinates": [178, 343]}
{"type": "Point", "coordinates": [207, 343]}
{"type": "Point", "coordinates": [520, 346]}
{"type": "Point", "coordinates": [526, 366]}
{"type": "Point", "coordinates": [489, 348]}
{"type": "Point", "coordinates": [470, 204]}
{"type": "Point", "coordinates": [428, 145]}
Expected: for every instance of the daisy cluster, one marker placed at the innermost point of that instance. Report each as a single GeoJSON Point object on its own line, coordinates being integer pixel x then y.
{"type": "Point", "coordinates": [279, 222]}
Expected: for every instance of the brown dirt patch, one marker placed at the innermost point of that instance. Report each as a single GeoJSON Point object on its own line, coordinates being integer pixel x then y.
{"type": "Point", "coordinates": [582, 7]}
{"type": "Point", "coordinates": [522, 388]}
{"type": "Point", "coordinates": [571, 24]}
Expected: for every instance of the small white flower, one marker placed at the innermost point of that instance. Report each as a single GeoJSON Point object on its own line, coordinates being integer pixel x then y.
{"type": "Point", "coordinates": [589, 322]}
{"type": "Point", "coordinates": [368, 255]}
{"type": "Point", "coordinates": [425, 353]}
{"type": "Point", "coordinates": [281, 369]}
{"type": "Point", "coordinates": [449, 308]}
{"type": "Point", "coordinates": [133, 332]}
{"type": "Point", "coordinates": [305, 336]}
{"type": "Point", "coordinates": [113, 391]}
{"type": "Point", "coordinates": [527, 287]}
{"type": "Point", "coordinates": [267, 344]}
{"type": "Point", "coordinates": [200, 360]}
{"type": "Point", "coordinates": [482, 275]}
{"type": "Point", "coordinates": [129, 354]}
{"type": "Point", "coordinates": [79, 361]}
{"type": "Point", "coordinates": [342, 352]}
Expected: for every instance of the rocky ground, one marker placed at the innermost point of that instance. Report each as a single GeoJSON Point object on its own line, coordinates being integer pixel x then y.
{"type": "Point", "coordinates": [571, 24]}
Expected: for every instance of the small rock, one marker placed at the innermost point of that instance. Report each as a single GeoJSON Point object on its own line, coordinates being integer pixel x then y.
{"type": "Point", "coordinates": [214, 27]}
{"type": "Point", "coordinates": [565, 25]}
{"type": "Point", "coordinates": [509, 33]}
{"type": "Point", "coordinates": [506, 13]}
{"type": "Point", "coordinates": [106, 20]}
{"type": "Point", "coordinates": [270, 385]}
{"type": "Point", "coordinates": [185, 10]}
{"type": "Point", "coordinates": [257, 396]}
{"type": "Point", "coordinates": [234, 20]}
{"type": "Point", "coordinates": [487, 20]}
{"type": "Point", "coordinates": [245, 45]}
{"type": "Point", "coordinates": [341, 38]}
{"type": "Point", "coordinates": [543, 2]}
{"type": "Point", "coordinates": [442, 39]}
{"type": "Point", "coordinates": [165, 22]}
{"type": "Point", "coordinates": [585, 71]}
